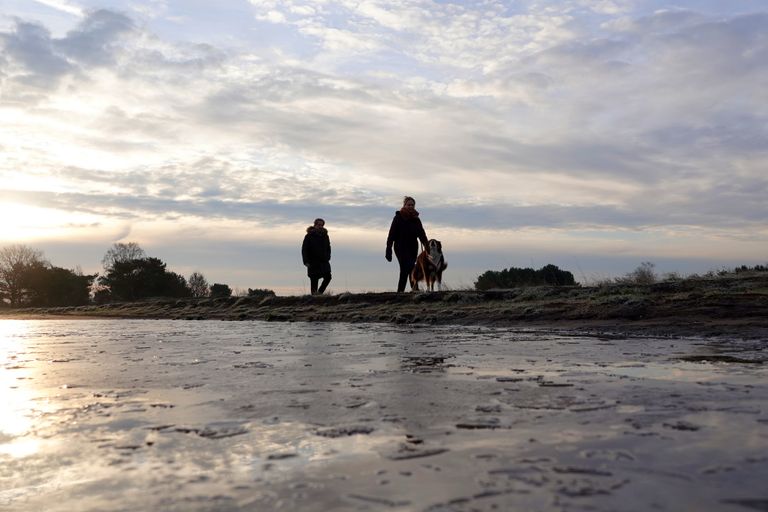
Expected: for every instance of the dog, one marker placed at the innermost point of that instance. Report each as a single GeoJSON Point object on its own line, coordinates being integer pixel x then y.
{"type": "Point", "coordinates": [429, 267]}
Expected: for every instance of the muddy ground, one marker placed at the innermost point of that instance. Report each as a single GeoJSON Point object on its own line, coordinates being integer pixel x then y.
{"type": "Point", "coordinates": [126, 415]}
{"type": "Point", "coordinates": [734, 304]}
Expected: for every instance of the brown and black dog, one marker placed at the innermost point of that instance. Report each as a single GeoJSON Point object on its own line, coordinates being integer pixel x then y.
{"type": "Point", "coordinates": [429, 267]}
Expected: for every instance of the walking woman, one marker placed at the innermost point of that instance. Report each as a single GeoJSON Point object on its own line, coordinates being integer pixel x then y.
{"type": "Point", "coordinates": [405, 232]}
{"type": "Point", "coordinates": [316, 254]}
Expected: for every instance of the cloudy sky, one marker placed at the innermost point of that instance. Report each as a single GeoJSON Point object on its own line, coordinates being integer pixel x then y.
{"type": "Point", "coordinates": [591, 134]}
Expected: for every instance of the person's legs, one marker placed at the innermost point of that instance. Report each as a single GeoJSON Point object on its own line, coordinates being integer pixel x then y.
{"type": "Point", "coordinates": [313, 285]}
{"type": "Point", "coordinates": [406, 266]}
{"type": "Point", "coordinates": [324, 284]}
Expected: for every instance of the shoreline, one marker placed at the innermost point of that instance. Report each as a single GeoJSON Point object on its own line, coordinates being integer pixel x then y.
{"type": "Point", "coordinates": [722, 306]}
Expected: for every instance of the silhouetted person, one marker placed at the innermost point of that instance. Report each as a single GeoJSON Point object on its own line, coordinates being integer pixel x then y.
{"type": "Point", "coordinates": [405, 232]}
{"type": "Point", "coordinates": [316, 254]}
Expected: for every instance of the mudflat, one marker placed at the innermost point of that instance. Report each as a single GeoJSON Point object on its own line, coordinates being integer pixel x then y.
{"type": "Point", "coordinates": [177, 415]}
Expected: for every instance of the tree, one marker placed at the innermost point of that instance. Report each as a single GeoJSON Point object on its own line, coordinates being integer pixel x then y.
{"type": "Point", "coordinates": [120, 252]}
{"type": "Point", "coordinates": [198, 286]}
{"type": "Point", "coordinates": [15, 261]}
{"type": "Point", "coordinates": [49, 286]}
{"type": "Point", "coordinates": [142, 278]}
{"type": "Point", "coordinates": [220, 290]}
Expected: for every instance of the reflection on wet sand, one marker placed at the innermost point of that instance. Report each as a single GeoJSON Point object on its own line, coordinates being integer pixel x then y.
{"type": "Point", "coordinates": [176, 415]}
{"type": "Point", "coordinates": [20, 404]}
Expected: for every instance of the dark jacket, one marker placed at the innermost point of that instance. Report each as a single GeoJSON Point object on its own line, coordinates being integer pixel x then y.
{"type": "Point", "coordinates": [405, 233]}
{"type": "Point", "coordinates": [316, 252]}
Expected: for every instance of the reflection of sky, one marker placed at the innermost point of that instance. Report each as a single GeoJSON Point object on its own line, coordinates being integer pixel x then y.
{"type": "Point", "coordinates": [683, 371]}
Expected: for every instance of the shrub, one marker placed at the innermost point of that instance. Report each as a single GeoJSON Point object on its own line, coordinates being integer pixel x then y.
{"type": "Point", "coordinates": [514, 277]}
{"type": "Point", "coordinates": [220, 290]}
{"type": "Point", "coordinates": [643, 274]}
{"type": "Point", "coordinates": [260, 292]}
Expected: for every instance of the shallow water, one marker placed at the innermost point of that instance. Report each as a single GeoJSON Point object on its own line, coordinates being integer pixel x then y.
{"type": "Point", "coordinates": [209, 415]}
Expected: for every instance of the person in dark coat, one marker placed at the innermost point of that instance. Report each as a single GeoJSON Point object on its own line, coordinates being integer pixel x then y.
{"type": "Point", "coordinates": [316, 254]}
{"type": "Point", "coordinates": [404, 233]}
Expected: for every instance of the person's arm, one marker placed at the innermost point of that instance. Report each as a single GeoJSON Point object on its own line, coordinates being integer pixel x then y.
{"type": "Point", "coordinates": [422, 234]}
{"type": "Point", "coordinates": [392, 232]}
{"type": "Point", "coordinates": [391, 238]}
{"type": "Point", "coordinates": [305, 252]}
{"type": "Point", "coordinates": [328, 240]}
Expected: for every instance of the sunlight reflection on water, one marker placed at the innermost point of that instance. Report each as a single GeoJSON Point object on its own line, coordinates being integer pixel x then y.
{"type": "Point", "coordinates": [16, 394]}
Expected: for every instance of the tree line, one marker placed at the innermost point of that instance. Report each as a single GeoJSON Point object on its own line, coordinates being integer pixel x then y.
{"type": "Point", "coordinates": [27, 279]}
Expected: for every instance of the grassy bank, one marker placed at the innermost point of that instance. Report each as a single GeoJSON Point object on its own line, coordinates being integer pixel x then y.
{"type": "Point", "coordinates": [705, 306]}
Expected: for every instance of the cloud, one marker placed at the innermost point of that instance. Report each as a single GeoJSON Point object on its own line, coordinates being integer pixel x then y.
{"type": "Point", "coordinates": [93, 42]}
{"type": "Point", "coordinates": [31, 56]}
{"type": "Point", "coordinates": [34, 58]}
{"type": "Point", "coordinates": [62, 5]}
{"type": "Point", "coordinates": [576, 116]}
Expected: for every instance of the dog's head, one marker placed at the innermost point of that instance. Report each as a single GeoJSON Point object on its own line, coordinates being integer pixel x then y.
{"type": "Point", "coordinates": [435, 246]}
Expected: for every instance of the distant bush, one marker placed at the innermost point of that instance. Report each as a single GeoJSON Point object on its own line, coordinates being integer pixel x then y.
{"type": "Point", "coordinates": [515, 277]}
{"type": "Point", "coordinates": [643, 274]}
{"type": "Point", "coordinates": [260, 292]}
{"type": "Point", "coordinates": [744, 268]}
{"type": "Point", "coordinates": [220, 290]}
{"type": "Point", "coordinates": [725, 272]}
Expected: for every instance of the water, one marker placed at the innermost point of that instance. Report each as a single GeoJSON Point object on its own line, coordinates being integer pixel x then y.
{"type": "Point", "coordinates": [210, 415]}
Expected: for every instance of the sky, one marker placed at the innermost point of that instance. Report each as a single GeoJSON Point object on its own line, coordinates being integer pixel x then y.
{"type": "Point", "coordinates": [590, 134]}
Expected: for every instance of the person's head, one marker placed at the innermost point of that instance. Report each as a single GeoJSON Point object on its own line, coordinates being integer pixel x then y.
{"type": "Point", "coordinates": [409, 203]}
{"type": "Point", "coordinates": [319, 223]}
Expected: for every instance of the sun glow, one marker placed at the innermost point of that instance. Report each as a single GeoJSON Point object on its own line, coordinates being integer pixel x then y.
{"type": "Point", "coordinates": [23, 222]}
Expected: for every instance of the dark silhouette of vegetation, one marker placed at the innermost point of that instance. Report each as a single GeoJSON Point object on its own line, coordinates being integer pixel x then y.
{"type": "Point", "coordinates": [515, 277]}
{"type": "Point", "coordinates": [260, 292]}
{"type": "Point", "coordinates": [142, 278]}
{"type": "Point", "coordinates": [27, 279]}
{"type": "Point", "coordinates": [49, 286]}
{"type": "Point", "coordinates": [15, 262]}
{"type": "Point", "coordinates": [121, 252]}
{"type": "Point", "coordinates": [643, 274]}
{"type": "Point", "coordinates": [745, 268]}
{"type": "Point", "coordinates": [220, 290]}
{"type": "Point", "coordinates": [198, 285]}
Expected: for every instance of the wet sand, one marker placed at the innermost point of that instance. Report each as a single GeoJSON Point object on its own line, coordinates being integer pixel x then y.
{"type": "Point", "coordinates": [209, 415]}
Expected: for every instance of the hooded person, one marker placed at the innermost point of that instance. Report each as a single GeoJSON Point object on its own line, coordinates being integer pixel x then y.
{"type": "Point", "coordinates": [404, 234]}
{"type": "Point", "coordinates": [316, 255]}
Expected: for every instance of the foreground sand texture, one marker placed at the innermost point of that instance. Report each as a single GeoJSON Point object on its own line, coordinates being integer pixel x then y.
{"type": "Point", "coordinates": [128, 415]}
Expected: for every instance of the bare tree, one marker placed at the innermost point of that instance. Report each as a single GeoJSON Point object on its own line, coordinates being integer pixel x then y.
{"type": "Point", "coordinates": [120, 252]}
{"type": "Point", "coordinates": [198, 285]}
{"type": "Point", "coordinates": [15, 260]}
